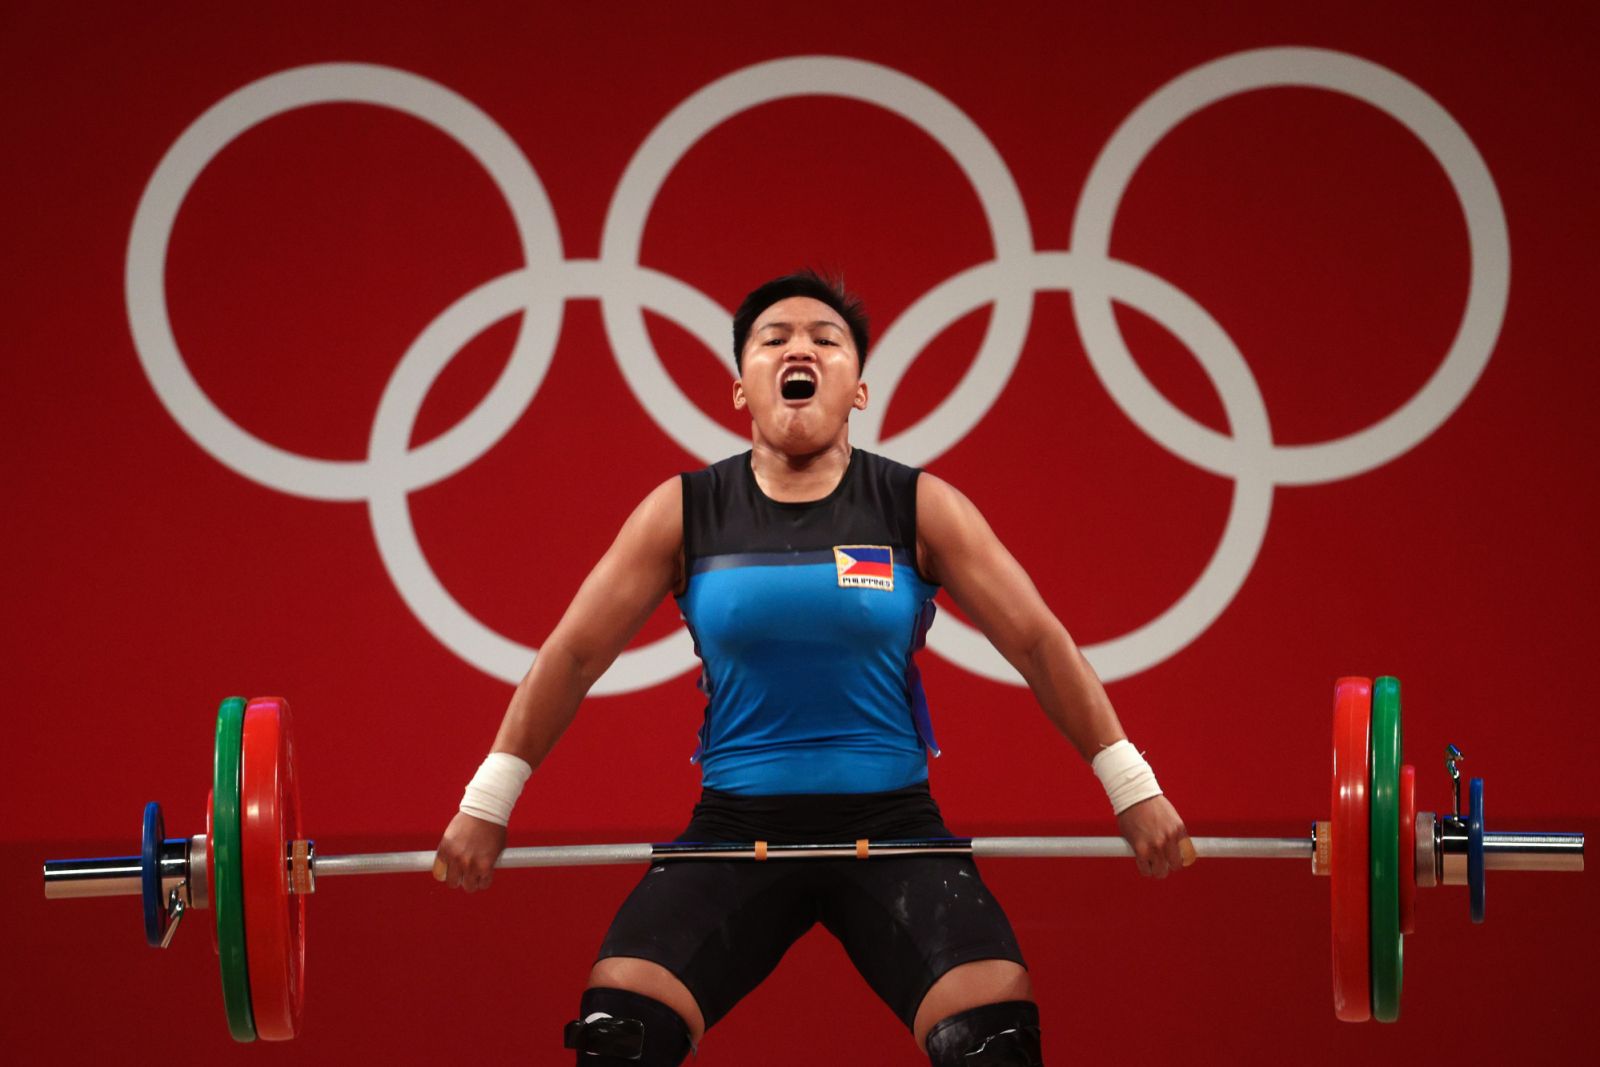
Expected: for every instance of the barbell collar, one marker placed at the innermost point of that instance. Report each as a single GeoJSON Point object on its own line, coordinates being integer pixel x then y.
{"type": "Point", "coordinates": [196, 888]}
{"type": "Point", "coordinates": [1427, 851]}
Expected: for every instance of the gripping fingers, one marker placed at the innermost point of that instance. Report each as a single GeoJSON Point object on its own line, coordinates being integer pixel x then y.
{"type": "Point", "coordinates": [1171, 854]}
{"type": "Point", "coordinates": [457, 873]}
{"type": "Point", "coordinates": [452, 872]}
{"type": "Point", "coordinates": [468, 873]}
{"type": "Point", "coordinates": [1160, 858]}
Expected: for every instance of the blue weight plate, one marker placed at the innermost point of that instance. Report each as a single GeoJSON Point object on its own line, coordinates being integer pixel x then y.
{"type": "Point", "coordinates": [1475, 886]}
{"type": "Point", "coordinates": [155, 906]}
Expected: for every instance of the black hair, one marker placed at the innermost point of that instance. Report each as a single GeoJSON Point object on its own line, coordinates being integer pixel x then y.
{"type": "Point", "coordinates": [807, 282]}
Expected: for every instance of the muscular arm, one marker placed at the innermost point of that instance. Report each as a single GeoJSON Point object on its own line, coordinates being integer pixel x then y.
{"type": "Point", "coordinates": [642, 566]}
{"type": "Point", "coordinates": [956, 548]}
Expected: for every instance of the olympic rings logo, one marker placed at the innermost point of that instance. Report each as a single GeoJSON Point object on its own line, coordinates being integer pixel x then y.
{"type": "Point", "coordinates": [624, 288]}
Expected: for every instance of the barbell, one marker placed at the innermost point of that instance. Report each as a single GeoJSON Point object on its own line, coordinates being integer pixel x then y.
{"type": "Point", "coordinates": [253, 868]}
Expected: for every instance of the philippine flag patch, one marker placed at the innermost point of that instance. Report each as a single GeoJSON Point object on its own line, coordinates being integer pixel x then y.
{"type": "Point", "coordinates": [865, 566]}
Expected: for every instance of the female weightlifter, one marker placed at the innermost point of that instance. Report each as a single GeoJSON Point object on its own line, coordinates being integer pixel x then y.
{"type": "Point", "coordinates": [806, 570]}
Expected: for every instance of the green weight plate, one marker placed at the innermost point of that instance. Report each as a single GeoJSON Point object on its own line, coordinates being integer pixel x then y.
{"type": "Point", "coordinates": [1385, 851]}
{"type": "Point", "coordinates": [228, 863]}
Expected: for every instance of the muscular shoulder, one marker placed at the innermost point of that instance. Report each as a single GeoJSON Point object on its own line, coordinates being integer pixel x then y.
{"type": "Point", "coordinates": [946, 521]}
{"type": "Point", "coordinates": [939, 503]}
{"type": "Point", "coordinates": [653, 534]}
{"type": "Point", "coordinates": [663, 505]}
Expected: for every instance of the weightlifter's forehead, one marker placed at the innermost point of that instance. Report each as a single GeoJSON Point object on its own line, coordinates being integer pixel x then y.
{"type": "Point", "coordinates": [797, 311]}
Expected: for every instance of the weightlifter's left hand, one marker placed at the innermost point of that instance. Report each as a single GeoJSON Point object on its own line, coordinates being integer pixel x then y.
{"type": "Point", "coordinates": [1160, 843]}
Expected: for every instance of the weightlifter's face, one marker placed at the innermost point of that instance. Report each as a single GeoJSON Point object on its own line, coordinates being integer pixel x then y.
{"type": "Point", "coordinates": [801, 376]}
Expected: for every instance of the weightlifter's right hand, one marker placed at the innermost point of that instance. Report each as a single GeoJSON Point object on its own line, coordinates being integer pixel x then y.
{"type": "Point", "coordinates": [468, 851]}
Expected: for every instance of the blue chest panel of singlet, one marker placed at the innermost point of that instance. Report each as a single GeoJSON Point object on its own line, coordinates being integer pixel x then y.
{"type": "Point", "coordinates": [806, 630]}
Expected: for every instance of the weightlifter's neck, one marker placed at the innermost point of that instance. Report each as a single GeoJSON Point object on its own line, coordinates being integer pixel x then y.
{"type": "Point", "coordinates": [795, 478]}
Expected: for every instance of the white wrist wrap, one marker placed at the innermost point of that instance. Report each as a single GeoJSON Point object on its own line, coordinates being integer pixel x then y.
{"type": "Point", "coordinates": [494, 790]}
{"type": "Point", "coordinates": [1127, 777]}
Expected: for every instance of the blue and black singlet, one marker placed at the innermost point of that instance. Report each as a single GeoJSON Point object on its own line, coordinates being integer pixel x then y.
{"type": "Point", "coordinates": [806, 617]}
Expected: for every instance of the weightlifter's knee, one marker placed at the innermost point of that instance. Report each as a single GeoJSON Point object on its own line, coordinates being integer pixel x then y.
{"type": "Point", "coordinates": [994, 1035]}
{"type": "Point", "coordinates": [653, 980]}
{"type": "Point", "coordinates": [621, 1028]}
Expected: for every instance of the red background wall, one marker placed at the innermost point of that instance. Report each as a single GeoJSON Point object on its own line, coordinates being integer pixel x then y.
{"type": "Point", "coordinates": [147, 580]}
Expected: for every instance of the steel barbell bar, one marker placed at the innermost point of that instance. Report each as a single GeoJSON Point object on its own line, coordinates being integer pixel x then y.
{"type": "Point", "coordinates": [113, 876]}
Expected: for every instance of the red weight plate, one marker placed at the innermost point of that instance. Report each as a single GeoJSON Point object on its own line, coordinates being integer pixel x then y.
{"type": "Point", "coordinates": [1408, 849]}
{"type": "Point", "coordinates": [211, 875]}
{"type": "Point", "coordinates": [269, 816]}
{"type": "Point", "coordinates": [1352, 755]}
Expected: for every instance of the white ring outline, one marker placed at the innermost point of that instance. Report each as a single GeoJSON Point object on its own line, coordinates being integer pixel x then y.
{"type": "Point", "coordinates": [1469, 177]}
{"type": "Point", "coordinates": [326, 83]}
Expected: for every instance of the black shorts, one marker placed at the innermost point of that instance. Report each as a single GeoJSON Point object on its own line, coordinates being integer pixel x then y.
{"type": "Point", "coordinates": [721, 927]}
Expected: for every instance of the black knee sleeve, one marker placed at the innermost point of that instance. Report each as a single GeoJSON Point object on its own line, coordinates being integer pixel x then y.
{"type": "Point", "coordinates": [995, 1035]}
{"type": "Point", "coordinates": [617, 1028]}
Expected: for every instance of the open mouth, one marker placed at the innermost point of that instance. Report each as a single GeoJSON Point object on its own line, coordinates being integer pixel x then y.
{"type": "Point", "coordinates": [798, 384]}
